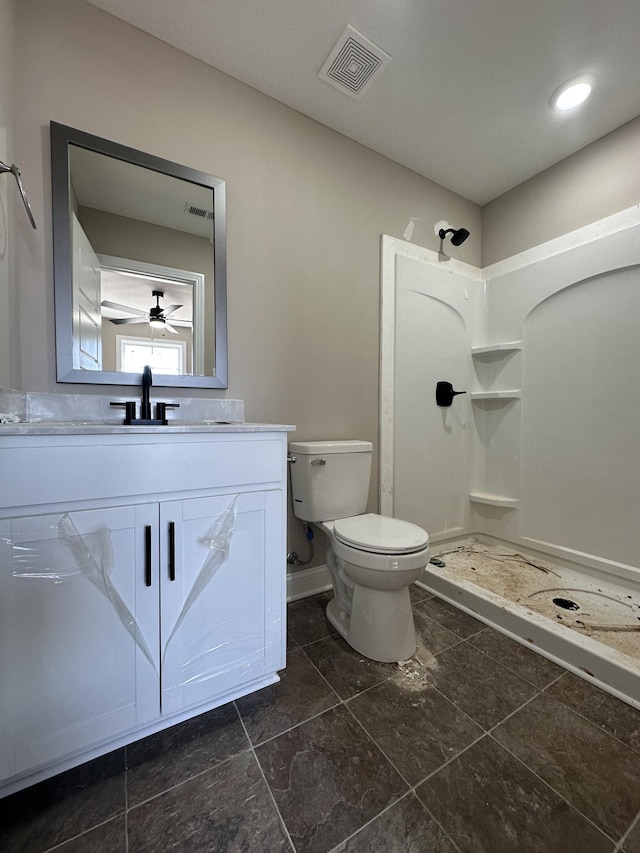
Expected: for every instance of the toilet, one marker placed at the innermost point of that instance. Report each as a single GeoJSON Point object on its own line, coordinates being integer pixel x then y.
{"type": "Point", "coordinates": [372, 558]}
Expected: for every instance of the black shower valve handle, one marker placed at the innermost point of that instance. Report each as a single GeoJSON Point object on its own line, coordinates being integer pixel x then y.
{"type": "Point", "coordinates": [445, 394]}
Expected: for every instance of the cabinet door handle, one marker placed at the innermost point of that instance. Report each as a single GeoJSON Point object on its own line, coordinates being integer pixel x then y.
{"type": "Point", "coordinates": [147, 555]}
{"type": "Point", "coordinates": [172, 550]}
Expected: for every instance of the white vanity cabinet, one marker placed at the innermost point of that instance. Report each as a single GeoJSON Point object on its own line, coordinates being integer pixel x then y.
{"type": "Point", "coordinates": [71, 674]}
{"type": "Point", "coordinates": [217, 613]}
{"type": "Point", "coordinates": [142, 581]}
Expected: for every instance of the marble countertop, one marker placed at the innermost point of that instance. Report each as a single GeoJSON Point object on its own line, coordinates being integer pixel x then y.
{"type": "Point", "coordinates": [95, 428]}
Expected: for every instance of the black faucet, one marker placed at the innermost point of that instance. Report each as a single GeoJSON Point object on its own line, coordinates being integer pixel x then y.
{"type": "Point", "coordinates": [147, 382]}
{"type": "Point", "coordinates": [145, 418]}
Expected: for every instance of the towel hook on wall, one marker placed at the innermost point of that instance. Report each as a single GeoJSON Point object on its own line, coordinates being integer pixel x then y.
{"type": "Point", "coordinates": [16, 174]}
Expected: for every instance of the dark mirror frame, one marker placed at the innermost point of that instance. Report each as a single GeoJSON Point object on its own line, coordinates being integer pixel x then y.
{"type": "Point", "coordinates": [61, 138]}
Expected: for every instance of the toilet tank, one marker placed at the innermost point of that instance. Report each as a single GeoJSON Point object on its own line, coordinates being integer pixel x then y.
{"type": "Point", "coordinates": [330, 479]}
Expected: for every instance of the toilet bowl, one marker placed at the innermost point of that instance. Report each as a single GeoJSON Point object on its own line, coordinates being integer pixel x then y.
{"type": "Point", "coordinates": [372, 606]}
{"type": "Point", "coordinates": [372, 559]}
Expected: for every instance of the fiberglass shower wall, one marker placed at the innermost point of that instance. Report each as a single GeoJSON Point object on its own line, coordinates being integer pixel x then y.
{"type": "Point", "coordinates": [544, 449]}
{"type": "Point", "coordinates": [435, 307]}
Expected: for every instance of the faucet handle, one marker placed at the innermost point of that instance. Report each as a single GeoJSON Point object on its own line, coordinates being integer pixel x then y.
{"type": "Point", "coordinates": [161, 411]}
{"type": "Point", "coordinates": [129, 410]}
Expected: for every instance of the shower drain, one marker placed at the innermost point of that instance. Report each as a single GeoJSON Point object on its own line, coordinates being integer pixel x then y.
{"type": "Point", "coordinates": [566, 604]}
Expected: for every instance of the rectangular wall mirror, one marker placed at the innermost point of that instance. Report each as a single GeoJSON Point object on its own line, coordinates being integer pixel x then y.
{"type": "Point", "coordinates": [139, 266]}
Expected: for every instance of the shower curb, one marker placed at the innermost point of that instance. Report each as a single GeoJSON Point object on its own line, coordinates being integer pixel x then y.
{"type": "Point", "coordinates": [612, 671]}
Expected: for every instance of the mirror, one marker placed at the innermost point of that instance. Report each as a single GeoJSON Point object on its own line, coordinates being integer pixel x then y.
{"type": "Point", "coordinates": [139, 266]}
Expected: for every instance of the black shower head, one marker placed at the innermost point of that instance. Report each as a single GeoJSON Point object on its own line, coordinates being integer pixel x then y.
{"type": "Point", "coordinates": [458, 237]}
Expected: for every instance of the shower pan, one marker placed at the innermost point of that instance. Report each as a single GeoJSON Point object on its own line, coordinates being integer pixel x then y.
{"type": "Point", "coordinates": [539, 459]}
{"type": "Point", "coordinates": [587, 621]}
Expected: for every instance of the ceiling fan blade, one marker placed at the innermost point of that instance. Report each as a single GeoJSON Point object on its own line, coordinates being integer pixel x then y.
{"type": "Point", "coordinates": [117, 307]}
{"type": "Point", "coordinates": [119, 320]}
{"type": "Point", "coordinates": [170, 329]}
{"type": "Point", "coordinates": [170, 309]}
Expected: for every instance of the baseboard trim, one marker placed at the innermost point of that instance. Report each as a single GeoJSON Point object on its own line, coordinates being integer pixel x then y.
{"type": "Point", "coordinates": [308, 582]}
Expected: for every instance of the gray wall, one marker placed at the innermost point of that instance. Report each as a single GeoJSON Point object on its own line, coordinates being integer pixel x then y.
{"type": "Point", "coordinates": [600, 180]}
{"type": "Point", "coordinates": [8, 197]}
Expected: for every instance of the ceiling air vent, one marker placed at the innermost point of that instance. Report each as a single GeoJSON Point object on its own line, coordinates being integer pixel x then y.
{"type": "Point", "coordinates": [353, 64]}
{"type": "Point", "coordinates": [202, 212]}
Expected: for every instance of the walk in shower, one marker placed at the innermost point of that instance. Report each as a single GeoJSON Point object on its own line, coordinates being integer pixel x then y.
{"type": "Point", "coordinates": [528, 484]}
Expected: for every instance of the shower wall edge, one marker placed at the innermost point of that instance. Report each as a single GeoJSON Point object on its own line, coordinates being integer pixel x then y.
{"type": "Point", "coordinates": [390, 248]}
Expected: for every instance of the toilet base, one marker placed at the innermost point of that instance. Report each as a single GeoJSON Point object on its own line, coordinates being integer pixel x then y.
{"type": "Point", "coordinates": [380, 625]}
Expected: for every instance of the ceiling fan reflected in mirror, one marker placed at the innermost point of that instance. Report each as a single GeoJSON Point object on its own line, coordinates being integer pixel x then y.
{"type": "Point", "coordinates": [156, 316]}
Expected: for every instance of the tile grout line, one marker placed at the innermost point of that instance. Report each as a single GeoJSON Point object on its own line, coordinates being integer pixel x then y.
{"type": "Point", "coordinates": [89, 829]}
{"type": "Point", "coordinates": [405, 796]}
{"type": "Point", "coordinates": [333, 690]}
{"type": "Point", "coordinates": [303, 646]}
{"type": "Point", "coordinates": [264, 779]}
{"type": "Point", "coordinates": [543, 691]}
{"type": "Point", "coordinates": [102, 822]}
{"type": "Point", "coordinates": [381, 751]}
{"type": "Point", "coordinates": [588, 719]}
{"type": "Point", "coordinates": [551, 788]}
{"type": "Point", "coordinates": [485, 733]}
{"type": "Point", "coordinates": [506, 666]}
{"type": "Point", "coordinates": [296, 726]}
{"type": "Point", "coordinates": [195, 775]}
{"type": "Point", "coordinates": [412, 788]}
{"type": "Point", "coordinates": [634, 823]}
{"type": "Point", "coordinates": [369, 822]}
{"type": "Point", "coordinates": [371, 686]}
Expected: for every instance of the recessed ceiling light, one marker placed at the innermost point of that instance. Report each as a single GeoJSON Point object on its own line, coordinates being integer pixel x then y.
{"type": "Point", "coordinates": [572, 93]}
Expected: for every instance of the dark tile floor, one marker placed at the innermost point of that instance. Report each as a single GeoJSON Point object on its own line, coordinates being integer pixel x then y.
{"type": "Point", "coordinates": [476, 745]}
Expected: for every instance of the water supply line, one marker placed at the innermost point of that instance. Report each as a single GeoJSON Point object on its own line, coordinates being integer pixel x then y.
{"type": "Point", "coordinates": [15, 171]}
{"type": "Point", "coordinates": [292, 557]}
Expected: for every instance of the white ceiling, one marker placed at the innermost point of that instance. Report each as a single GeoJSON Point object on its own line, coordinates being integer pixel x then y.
{"type": "Point", "coordinates": [145, 195]}
{"type": "Point", "coordinates": [465, 100]}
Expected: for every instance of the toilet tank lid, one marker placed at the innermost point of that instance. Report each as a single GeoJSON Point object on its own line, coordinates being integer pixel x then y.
{"type": "Point", "coordinates": [315, 447]}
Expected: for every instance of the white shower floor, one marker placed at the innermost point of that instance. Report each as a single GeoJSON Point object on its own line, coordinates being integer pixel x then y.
{"type": "Point", "coordinates": [586, 621]}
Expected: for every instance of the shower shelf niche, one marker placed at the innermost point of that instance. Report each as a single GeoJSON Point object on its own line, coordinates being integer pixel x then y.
{"type": "Point", "coordinates": [498, 373]}
{"type": "Point", "coordinates": [494, 500]}
{"type": "Point", "coordinates": [513, 346]}
{"type": "Point", "coordinates": [496, 395]}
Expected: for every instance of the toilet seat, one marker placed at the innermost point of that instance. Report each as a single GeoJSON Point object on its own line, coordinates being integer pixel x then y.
{"type": "Point", "coordinates": [379, 534]}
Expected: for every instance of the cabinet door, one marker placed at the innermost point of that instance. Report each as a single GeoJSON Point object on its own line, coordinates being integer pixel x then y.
{"type": "Point", "coordinates": [77, 659]}
{"type": "Point", "coordinates": [222, 614]}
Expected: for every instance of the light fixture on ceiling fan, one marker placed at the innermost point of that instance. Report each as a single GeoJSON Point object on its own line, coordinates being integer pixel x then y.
{"type": "Point", "coordinates": [156, 316]}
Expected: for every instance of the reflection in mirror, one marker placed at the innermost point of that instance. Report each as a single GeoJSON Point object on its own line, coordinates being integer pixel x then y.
{"type": "Point", "coordinates": [140, 266]}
